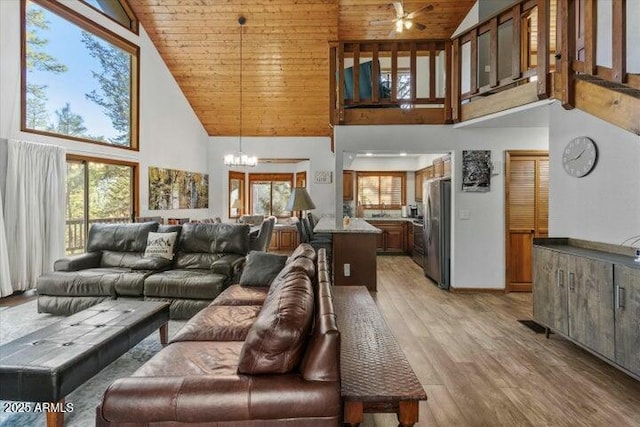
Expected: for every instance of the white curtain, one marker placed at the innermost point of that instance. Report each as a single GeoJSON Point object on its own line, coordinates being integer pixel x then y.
{"type": "Point", "coordinates": [34, 210]}
{"type": "Point", "coordinates": [5, 278]}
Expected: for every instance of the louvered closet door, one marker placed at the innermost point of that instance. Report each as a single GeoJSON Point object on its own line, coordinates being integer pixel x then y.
{"type": "Point", "coordinates": [527, 212]}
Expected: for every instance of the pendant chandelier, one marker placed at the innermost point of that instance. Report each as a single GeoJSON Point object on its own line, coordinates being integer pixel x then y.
{"type": "Point", "coordinates": [240, 159]}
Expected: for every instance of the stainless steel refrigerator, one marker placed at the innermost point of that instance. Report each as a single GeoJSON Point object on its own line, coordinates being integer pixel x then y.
{"type": "Point", "coordinates": [437, 231]}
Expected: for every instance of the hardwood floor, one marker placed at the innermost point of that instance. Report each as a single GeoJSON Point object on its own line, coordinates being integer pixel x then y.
{"type": "Point", "coordinates": [481, 367]}
{"type": "Point", "coordinates": [18, 298]}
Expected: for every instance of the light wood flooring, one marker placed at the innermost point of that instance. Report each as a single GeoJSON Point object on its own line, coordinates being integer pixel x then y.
{"type": "Point", "coordinates": [481, 367]}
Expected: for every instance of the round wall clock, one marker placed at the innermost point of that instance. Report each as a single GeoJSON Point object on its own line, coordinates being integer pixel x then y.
{"type": "Point", "coordinates": [579, 156]}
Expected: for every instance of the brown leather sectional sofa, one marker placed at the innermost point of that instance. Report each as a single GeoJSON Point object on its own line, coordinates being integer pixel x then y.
{"type": "Point", "coordinates": [114, 267]}
{"type": "Point", "coordinates": [255, 356]}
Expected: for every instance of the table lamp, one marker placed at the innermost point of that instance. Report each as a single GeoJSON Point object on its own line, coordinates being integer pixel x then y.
{"type": "Point", "coordinates": [299, 201]}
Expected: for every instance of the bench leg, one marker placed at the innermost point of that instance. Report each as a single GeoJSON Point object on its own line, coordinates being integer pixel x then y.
{"type": "Point", "coordinates": [353, 413]}
{"type": "Point", "coordinates": [408, 413]}
{"type": "Point", "coordinates": [56, 419]}
{"type": "Point", "coordinates": [164, 334]}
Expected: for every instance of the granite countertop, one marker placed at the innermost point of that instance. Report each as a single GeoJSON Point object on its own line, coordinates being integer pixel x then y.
{"type": "Point", "coordinates": [567, 246]}
{"type": "Point", "coordinates": [389, 219]}
{"type": "Point", "coordinates": [358, 225]}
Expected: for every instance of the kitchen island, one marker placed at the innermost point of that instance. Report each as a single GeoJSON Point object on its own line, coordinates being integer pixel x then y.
{"type": "Point", "coordinates": [354, 251]}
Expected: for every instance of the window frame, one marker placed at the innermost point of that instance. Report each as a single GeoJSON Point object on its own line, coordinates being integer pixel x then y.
{"type": "Point", "coordinates": [240, 176]}
{"type": "Point", "coordinates": [96, 29]}
{"type": "Point", "coordinates": [270, 177]}
{"type": "Point", "coordinates": [135, 24]}
{"type": "Point", "coordinates": [135, 178]}
{"type": "Point", "coordinates": [394, 174]}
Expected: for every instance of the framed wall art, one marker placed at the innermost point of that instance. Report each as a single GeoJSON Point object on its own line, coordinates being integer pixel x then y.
{"type": "Point", "coordinates": [176, 189]}
{"type": "Point", "coordinates": [476, 171]}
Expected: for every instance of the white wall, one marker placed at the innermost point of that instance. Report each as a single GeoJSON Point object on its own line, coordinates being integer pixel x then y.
{"type": "Point", "coordinates": [170, 133]}
{"type": "Point", "coordinates": [604, 206]}
{"type": "Point", "coordinates": [478, 243]}
{"type": "Point", "coordinates": [316, 149]}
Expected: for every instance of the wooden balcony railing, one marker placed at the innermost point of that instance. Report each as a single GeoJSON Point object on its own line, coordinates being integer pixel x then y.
{"type": "Point", "coordinates": [75, 233]}
{"type": "Point", "coordinates": [396, 82]}
{"type": "Point", "coordinates": [610, 93]}
{"type": "Point", "coordinates": [510, 49]}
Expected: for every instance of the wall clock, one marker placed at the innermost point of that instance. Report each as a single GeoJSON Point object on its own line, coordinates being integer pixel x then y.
{"type": "Point", "coordinates": [579, 156]}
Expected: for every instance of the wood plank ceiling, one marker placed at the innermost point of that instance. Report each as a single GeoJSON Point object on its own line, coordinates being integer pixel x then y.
{"type": "Point", "coordinates": [285, 55]}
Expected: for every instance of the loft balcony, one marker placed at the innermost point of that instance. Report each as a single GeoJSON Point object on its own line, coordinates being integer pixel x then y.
{"type": "Point", "coordinates": [395, 82]}
{"type": "Point", "coordinates": [531, 50]}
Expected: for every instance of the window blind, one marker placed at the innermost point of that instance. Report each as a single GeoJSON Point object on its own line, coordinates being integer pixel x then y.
{"type": "Point", "coordinates": [376, 190]}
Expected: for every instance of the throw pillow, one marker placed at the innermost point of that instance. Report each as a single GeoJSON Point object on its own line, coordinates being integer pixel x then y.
{"type": "Point", "coordinates": [261, 268]}
{"type": "Point", "coordinates": [160, 245]}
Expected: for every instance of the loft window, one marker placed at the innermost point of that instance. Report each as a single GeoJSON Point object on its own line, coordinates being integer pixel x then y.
{"type": "Point", "coordinates": [269, 193]}
{"type": "Point", "coordinates": [116, 10]}
{"type": "Point", "coordinates": [79, 80]}
{"type": "Point", "coordinates": [381, 190]}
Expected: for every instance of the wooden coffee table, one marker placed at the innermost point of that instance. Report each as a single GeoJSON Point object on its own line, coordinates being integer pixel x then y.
{"type": "Point", "coordinates": [48, 364]}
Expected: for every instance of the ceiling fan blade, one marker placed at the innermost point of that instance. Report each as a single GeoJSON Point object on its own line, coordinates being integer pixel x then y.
{"type": "Point", "coordinates": [381, 22]}
{"type": "Point", "coordinates": [399, 9]}
{"type": "Point", "coordinates": [415, 13]}
{"type": "Point", "coordinates": [418, 26]}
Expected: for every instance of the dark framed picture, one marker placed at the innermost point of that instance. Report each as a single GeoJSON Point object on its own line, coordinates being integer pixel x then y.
{"type": "Point", "coordinates": [476, 171]}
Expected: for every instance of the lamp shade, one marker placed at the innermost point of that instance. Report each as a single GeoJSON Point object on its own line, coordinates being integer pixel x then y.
{"type": "Point", "coordinates": [299, 200]}
{"type": "Point", "coordinates": [237, 204]}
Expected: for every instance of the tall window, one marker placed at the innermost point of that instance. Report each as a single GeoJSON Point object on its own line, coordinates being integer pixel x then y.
{"type": "Point", "coordinates": [381, 190]}
{"type": "Point", "coordinates": [270, 193]}
{"type": "Point", "coordinates": [97, 191]}
{"type": "Point", "coordinates": [79, 80]}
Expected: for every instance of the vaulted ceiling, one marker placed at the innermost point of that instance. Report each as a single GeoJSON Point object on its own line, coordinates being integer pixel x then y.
{"type": "Point", "coordinates": [285, 54]}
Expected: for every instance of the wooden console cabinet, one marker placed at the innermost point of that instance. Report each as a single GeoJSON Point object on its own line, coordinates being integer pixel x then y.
{"type": "Point", "coordinates": [591, 296]}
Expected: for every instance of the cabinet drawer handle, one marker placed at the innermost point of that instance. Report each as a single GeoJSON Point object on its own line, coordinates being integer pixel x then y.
{"type": "Point", "coordinates": [620, 294]}
{"type": "Point", "coordinates": [572, 281]}
{"type": "Point", "coordinates": [560, 278]}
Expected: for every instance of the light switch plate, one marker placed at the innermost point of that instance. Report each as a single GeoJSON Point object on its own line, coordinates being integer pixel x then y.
{"type": "Point", "coordinates": [464, 214]}
{"type": "Point", "coordinates": [347, 270]}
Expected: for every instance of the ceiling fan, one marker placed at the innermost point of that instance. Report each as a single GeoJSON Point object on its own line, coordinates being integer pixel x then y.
{"type": "Point", "coordinates": [405, 20]}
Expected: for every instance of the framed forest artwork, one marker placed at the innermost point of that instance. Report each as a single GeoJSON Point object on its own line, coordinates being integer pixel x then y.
{"type": "Point", "coordinates": [176, 189]}
{"type": "Point", "coordinates": [476, 171]}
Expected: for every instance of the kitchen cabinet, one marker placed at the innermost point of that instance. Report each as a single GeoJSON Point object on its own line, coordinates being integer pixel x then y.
{"type": "Point", "coordinates": [393, 236]}
{"type": "Point", "coordinates": [590, 296]}
{"type": "Point", "coordinates": [447, 167]}
{"type": "Point", "coordinates": [419, 184]}
{"type": "Point", "coordinates": [438, 168]}
{"type": "Point", "coordinates": [347, 185]}
{"type": "Point", "coordinates": [284, 239]}
{"type": "Point", "coordinates": [409, 239]}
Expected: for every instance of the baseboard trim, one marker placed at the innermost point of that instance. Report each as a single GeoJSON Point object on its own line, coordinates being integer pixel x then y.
{"type": "Point", "coordinates": [476, 290]}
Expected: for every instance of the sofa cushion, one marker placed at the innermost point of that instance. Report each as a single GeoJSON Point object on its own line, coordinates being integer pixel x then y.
{"type": "Point", "coordinates": [275, 342]}
{"type": "Point", "coordinates": [181, 283]}
{"type": "Point", "coordinates": [120, 237]}
{"type": "Point", "coordinates": [241, 295]}
{"type": "Point", "coordinates": [78, 262]}
{"type": "Point", "coordinates": [300, 264]}
{"type": "Point", "coordinates": [214, 238]}
{"type": "Point", "coordinates": [219, 323]}
{"type": "Point", "coordinates": [304, 250]}
{"type": "Point", "coordinates": [89, 282]}
{"type": "Point", "coordinates": [120, 259]}
{"type": "Point", "coordinates": [160, 245]}
{"type": "Point", "coordinates": [261, 268]}
{"type": "Point", "coordinates": [193, 359]}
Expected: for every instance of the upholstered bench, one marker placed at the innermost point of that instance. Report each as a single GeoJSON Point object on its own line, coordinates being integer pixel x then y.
{"type": "Point", "coordinates": [50, 363]}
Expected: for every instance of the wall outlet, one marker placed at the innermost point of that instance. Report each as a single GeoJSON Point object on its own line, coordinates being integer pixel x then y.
{"type": "Point", "coordinates": [347, 270]}
{"type": "Point", "coordinates": [637, 255]}
{"type": "Point", "coordinates": [464, 214]}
